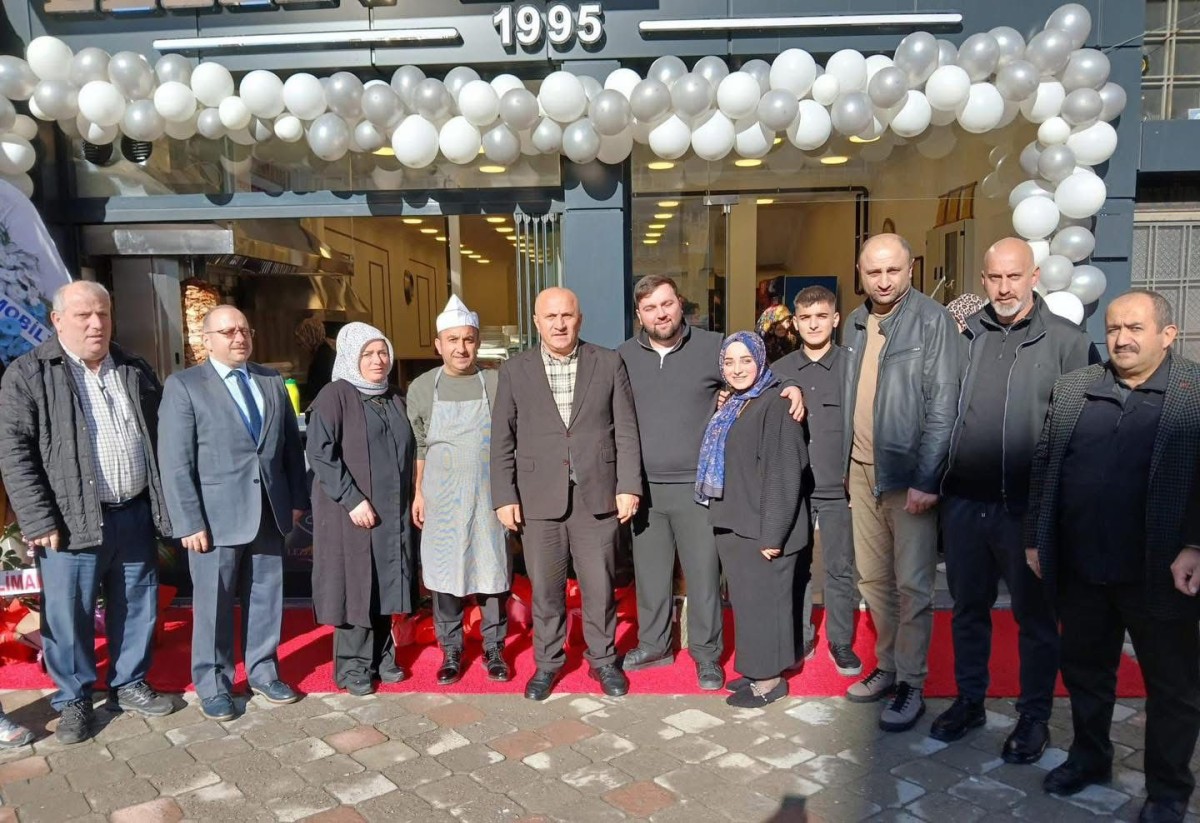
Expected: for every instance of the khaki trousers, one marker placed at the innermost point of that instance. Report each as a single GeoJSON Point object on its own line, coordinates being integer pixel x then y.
{"type": "Point", "coordinates": [896, 555]}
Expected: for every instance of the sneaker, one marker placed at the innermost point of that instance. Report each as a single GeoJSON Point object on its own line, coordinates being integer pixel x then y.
{"type": "Point", "coordinates": [902, 713]}
{"type": "Point", "coordinates": [846, 661]}
{"type": "Point", "coordinates": [139, 698]}
{"type": "Point", "coordinates": [875, 686]}
{"type": "Point", "coordinates": [710, 676]}
{"type": "Point", "coordinates": [75, 722]}
{"type": "Point", "coordinates": [957, 720]}
{"type": "Point", "coordinates": [12, 734]}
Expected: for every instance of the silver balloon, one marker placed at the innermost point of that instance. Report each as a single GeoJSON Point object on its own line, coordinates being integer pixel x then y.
{"type": "Point", "coordinates": [89, 64]}
{"type": "Point", "coordinates": [947, 54]}
{"type": "Point", "coordinates": [17, 80]}
{"type": "Point", "coordinates": [667, 69]}
{"type": "Point", "coordinates": [405, 81]}
{"type": "Point", "coordinates": [329, 137]}
{"type": "Point", "coordinates": [1115, 99]}
{"type": "Point", "coordinates": [131, 73]}
{"type": "Point", "coordinates": [1088, 284]}
{"type": "Point", "coordinates": [1086, 69]}
{"type": "Point", "coordinates": [381, 105]}
{"type": "Point", "coordinates": [8, 115]}
{"type": "Point", "coordinates": [430, 99]}
{"type": "Point", "coordinates": [1056, 163]}
{"type": "Point", "coordinates": [692, 95]}
{"type": "Point", "coordinates": [548, 136]}
{"type": "Point", "coordinates": [1017, 81]}
{"type": "Point", "coordinates": [713, 69]}
{"type": "Point", "coordinates": [344, 94]}
{"type": "Point", "coordinates": [1074, 243]}
{"type": "Point", "coordinates": [171, 68]}
{"type": "Point", "coordinates": [1082, 107]}
{"type": "Point", "coordinates": [760, 70]}
{"type": "Point", "coordinates": [1056, 272]}
{"type": "Point", "coordinates": [777, 109]}
{"type": "Point", "coordinates": [263, 129]}
{"type": "Point", "coordinates": [1030, 156]}
{"type": "Point", "coordinates": [610, 113]}
{"type": "Point", "coordinates": [581, 142]}
{"type": "Point", "coordinates": [208, 124]}
{"type": "Point", "coordinates": [1073, 20]}
{"type": "Point", "coordinates": [1049, 51]}
{"type": "Point", "coordinates": [458, 77]}
{"type": "Point", "coordinates": [888, 87]}
{"type": "Point", "coordinates": [1011, 43]}
{"type": "Point", "coordinates": [591, 86]}
{"type": "Point", "coordinates": [851, 113]}
{"type": "Point", "coordinates": [58, 99]}
{"type": "Point", "coordinates": [142, 121]}
{"type": "Point", "coordinates": [519, 109]}
{"type": "Point", "coordinates": [978, 56]}
{"type": "Point", "coordinates": [367, 137]}
{"type": "Point", "coordinates": [917, 55]}
{"type": "Point", "coordinates": [501, 144]}
{"type": "Point", "coordinates": [650, 100]}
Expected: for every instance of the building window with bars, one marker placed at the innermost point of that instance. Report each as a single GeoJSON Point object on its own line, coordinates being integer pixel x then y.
{"type": "Point", "coordinates": [1171, 60]}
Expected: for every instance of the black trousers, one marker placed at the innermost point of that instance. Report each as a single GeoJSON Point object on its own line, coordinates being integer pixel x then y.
{"type": "Point", "coordinates": [448, 612]}
{"type": "Point", "coordinates": [760, 591]}
{"type": "Point", "coordinates": [590, 543]}
{"type": "Point", "coordinates": [983, 544]}
{"type": "Point", "coordinates": [363, 650]}
{"type": "Point", "coordinates": [1094, 622]}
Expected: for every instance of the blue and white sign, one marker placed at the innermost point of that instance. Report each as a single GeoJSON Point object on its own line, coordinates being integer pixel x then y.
{"type": "Point", "coordinates": [30, 272]}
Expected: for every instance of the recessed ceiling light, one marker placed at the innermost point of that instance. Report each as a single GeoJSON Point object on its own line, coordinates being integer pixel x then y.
{"type": "Point", "coordinates": [496, 219]}
{"type": "Point", "coordinates": [776, 141]}
{"type": "Point", "coordinates": [747, 163]}
{"type": "Point", "coordinates": [667, 204]}
{"type": "Point", "coordinates": [857, 139]}
{"type": "Point", "coordinates": [441, 238]}
{"type": "Point", "coordinates": [835, 160]}
{"type": "Point", "coordinates": [650, 242]}
{"type": "Point", "coordinates": [484, 260]}
{"type": "Point", "coordinates": [413, 221]}
{"type": "Point", "coordinates": [505, 229]}
{"type": "Point", "coordinates": [465, 251]}
{"type": "Point", "coordinates": [476, 256]}
{"type": "Point", "coordinates": [430, 231]}
{"type": "Point", "coordinates": [657, 226]}
{"type": "Point", "coordinates": [660, 165]}
{"type": "Point", "coordinates": [492, 169]}
{"type": "Point", "coordinates": [654, 234]}
{"type": "Point", "coordinates": [666, 215]}
{"type": "Point", "coordinates": [385, 151]}
{"type": "Point", "coordinates": [765, 201]}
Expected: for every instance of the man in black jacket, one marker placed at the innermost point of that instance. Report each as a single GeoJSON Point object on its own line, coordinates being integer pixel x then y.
{"type": "Point", "coordinates": [78, 424]}
{"type": "Point", "coordinates": [1017, 349]}
{"type": "Point", "coordinates": [901, 388]}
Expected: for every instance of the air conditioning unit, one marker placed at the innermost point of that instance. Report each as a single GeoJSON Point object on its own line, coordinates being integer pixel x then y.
{"type": "Point", "coordinates": [951, 260]}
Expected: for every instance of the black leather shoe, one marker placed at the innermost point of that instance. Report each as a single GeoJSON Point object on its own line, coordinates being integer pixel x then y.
{"type": "Point", "coordinates": [1027, 742]}
{"type": "Point", "coordinates": [540, 685]}
{"type": "Point", "coordinates": [360, 685]}
{"type": "Point", "coordinates": [276, 692]}
{"type": "Point", "coordinates": [737, 684]}
{"type": "Point", "coordinates": [613, 681]}
{"type": "Point", "coordinates": [953, 723]}
{"type": "Point", "coordinates": [640, 658]}
{"type": "Point", "coordinates": [1071, 778]}
{"type": "Point", "coordinates": [710, 676]}
{"type": "Point", "coordinates": [451, 669]}
{"type": "Point", "coordinates": [494, 662]}
{"type": "Point", "coordinates": [218, 707]}
{"type": "Point", "coordinates": [1163, 811]}
{"type": "Point", "coordinates": [393, 672]}
{"type": "Point", "coordinates": [750, 698]}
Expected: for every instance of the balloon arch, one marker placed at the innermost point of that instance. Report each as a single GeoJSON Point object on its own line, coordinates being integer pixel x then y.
{"type": "Point", "coordinates": [983, 85]}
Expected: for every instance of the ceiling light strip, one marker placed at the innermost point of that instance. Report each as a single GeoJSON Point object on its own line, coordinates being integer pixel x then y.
{"type": "Point", "coordinates": [381, 37]}
{"type": "Point", "coordinates": [815, 21]}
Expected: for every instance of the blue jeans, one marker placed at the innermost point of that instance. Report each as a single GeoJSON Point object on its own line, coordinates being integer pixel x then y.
{"type": "Point", "coordinates": [124, 567]}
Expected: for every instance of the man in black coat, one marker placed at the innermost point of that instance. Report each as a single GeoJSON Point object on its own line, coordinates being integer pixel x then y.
{"type": "Point", "coordinates": [1111, 529]}
{"type": "Point", "coordinates": [78, 425]}
{"type": "Point", "coordinates": [1017, 349]}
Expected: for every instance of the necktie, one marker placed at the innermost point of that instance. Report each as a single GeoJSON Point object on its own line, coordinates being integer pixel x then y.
{"type": "Point", "coordinates": [253, 416]}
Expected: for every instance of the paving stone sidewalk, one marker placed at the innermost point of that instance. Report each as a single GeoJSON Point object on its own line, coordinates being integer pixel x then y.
{"type": "Point", "coordinates": [437, 758]}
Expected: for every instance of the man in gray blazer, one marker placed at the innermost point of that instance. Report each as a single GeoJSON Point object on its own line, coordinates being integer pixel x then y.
{"type": "Point", "coordinates": [234, 480]}
{"type": "Point", "coordinates": [566, 470]}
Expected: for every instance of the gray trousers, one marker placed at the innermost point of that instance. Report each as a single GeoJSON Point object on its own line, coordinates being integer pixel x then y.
{"type": "Point", "coordinates": [837, 553]}
{"type": "Point", "coordinates": [252, 573]}
{"type": "Point", "coordinates": [448, 610]}
{"type": "Point", "coordinates": [671, 521]}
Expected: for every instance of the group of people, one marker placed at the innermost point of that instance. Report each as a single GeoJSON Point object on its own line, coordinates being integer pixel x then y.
{"type": "Point", "coordinates": [1077, 485]}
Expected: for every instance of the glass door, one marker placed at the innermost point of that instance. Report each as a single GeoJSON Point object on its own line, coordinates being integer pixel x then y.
{"type": "Point", "coordinates": [538, 250]}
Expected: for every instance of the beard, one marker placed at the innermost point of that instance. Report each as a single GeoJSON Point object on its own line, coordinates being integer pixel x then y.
{"type": "Point", "coordinates": [1011, 309]}
{"type": "Point", "coordinates": [661, 337]}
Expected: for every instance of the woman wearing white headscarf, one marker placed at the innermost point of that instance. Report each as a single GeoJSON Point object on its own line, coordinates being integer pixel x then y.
{"type": "Point", "coordinates": [361, 448]}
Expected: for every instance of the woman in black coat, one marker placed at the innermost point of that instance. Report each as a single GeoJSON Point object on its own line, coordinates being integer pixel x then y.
{"type": "Point", "coordinates": [752, 461]}
{"type": "Point", "coordinates": [362, 451]}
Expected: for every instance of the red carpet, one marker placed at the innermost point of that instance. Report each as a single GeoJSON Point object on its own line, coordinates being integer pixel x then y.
{"type": "Point", "coordinates": [305, 663]}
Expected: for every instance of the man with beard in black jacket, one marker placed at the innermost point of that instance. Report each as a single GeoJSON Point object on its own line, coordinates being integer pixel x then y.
{"type": "Point", "coordinates": [1018, 348]}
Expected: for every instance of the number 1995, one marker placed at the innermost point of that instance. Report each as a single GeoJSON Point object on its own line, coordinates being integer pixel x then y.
{"type": "Point", "coordinates": [526, 26]}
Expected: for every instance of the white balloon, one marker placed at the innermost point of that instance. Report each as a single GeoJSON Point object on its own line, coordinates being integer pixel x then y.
{"type": "Point", "coordinates": [367, 137]}
{"type": "Point", "coordinates": [504, 83]}
{"type": "Point", "coordinates": [1065, 305]}
{"type": "Point", "coordinates": [850, 68]}
{"type": "Point", "coordinates": [615, 148]}
{"type": "Point", "coordinates": [876, 63]}
{"type": "Point", "coordinates": [1035, 218]}
{"type": "Point", "coordinates": [478, 103]}
{"type": "Point", "coordinates": [1088, 284]}
{"type": "Point", "coordinates": [175, 102]}
{"type": "Point", "coordinates": [17, 155]}
{"type": "Point", "coordinates": [289, 128]}
{"type": "Point", "coordinates": [262, 92]}
{"type": "Point", "coordinates": [1027, 189]}
{"type": "Point", "coordinates": [101, 103]}
{"type": "Point", "coordinates": [212, 83]}
{"type": "Point", "coordinates": [1054, 132]}
{"type": "Point", "coordinates": [25, 126]}
{"type": "Point", "coordinates": [1093, 145]}
{"type": "Point", "coordinates": [1081, 195]}
{"type": "Point", "coordinates": [622, 80]}
{"type": "Point", "coordinates": [415, 142]}
{"type": "Point", "coordinates": [547, 136]}
{"type": "Point", "coordinates": [303, 96]}
{"type": "Point", "coordinates": [181, 129]}
{"type": "Point", "coordinates": [738, 95]}
{"type": "Point", "coordinates": [459, 140]}
{"type": "Point", "coordinates": [671, 138]}
{"type": "Point", "coordinates": [562, 97]}
{"type": "Point", "coordinates": [948, 88]}
{"type": "Point", "coordinates": [714, 138]}
{"type": "Point", "coordinates": [36, 110]}
{"type": "Point", "coordinates": [1045, 103]}
{"type": "Point", "coordinates": [812, 126]}
{"type": "Point", "coordinates": [94, 133]}
{"type": "Point", "coordinates": [794, 70]}
{"type": "Point", "coordinates": [983, 110]}
{"type": "Point", "coordinates": [49, 57]}
{"type": "Point", "coordinates": [1041, 250]}
{"type": "Point", "coordinates": [826, 89]}
{"type": "Point", "coordinates": [753, 139]}
{"type": "Point", "coordinates": [234, 113]}
{"type": "Point", "coordinates": [914, 115]}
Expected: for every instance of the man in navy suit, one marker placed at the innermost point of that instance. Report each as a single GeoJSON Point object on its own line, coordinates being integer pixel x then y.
{"type": "Point", "coordinates": [234, 481]}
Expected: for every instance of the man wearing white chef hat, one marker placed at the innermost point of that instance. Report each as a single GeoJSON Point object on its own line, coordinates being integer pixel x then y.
{"type": "Point", "coordinates": [462, 544]}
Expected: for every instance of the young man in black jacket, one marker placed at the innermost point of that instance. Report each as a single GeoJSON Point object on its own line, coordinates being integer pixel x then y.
{"type": "Point", "coordinates": [1017, 349]}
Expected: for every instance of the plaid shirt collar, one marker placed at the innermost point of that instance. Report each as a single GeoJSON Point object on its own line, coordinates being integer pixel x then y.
{"type": "Point", "coordinates": [554, 360]}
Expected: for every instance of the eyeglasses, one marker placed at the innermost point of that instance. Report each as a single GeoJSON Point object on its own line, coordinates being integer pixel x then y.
{"type": "Point", "coordinates": [230, 334]}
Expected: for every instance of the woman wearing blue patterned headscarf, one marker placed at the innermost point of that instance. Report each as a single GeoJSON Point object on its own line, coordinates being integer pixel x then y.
{"type": "Point", "coordinates": [752, 463]}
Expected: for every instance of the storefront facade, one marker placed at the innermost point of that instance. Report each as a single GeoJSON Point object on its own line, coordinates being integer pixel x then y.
{"type": "Point", "coordinates": [730, 230]}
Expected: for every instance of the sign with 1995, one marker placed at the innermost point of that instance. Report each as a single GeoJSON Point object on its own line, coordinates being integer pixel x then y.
{"type": "Point", "coordinates": [526, 26]}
